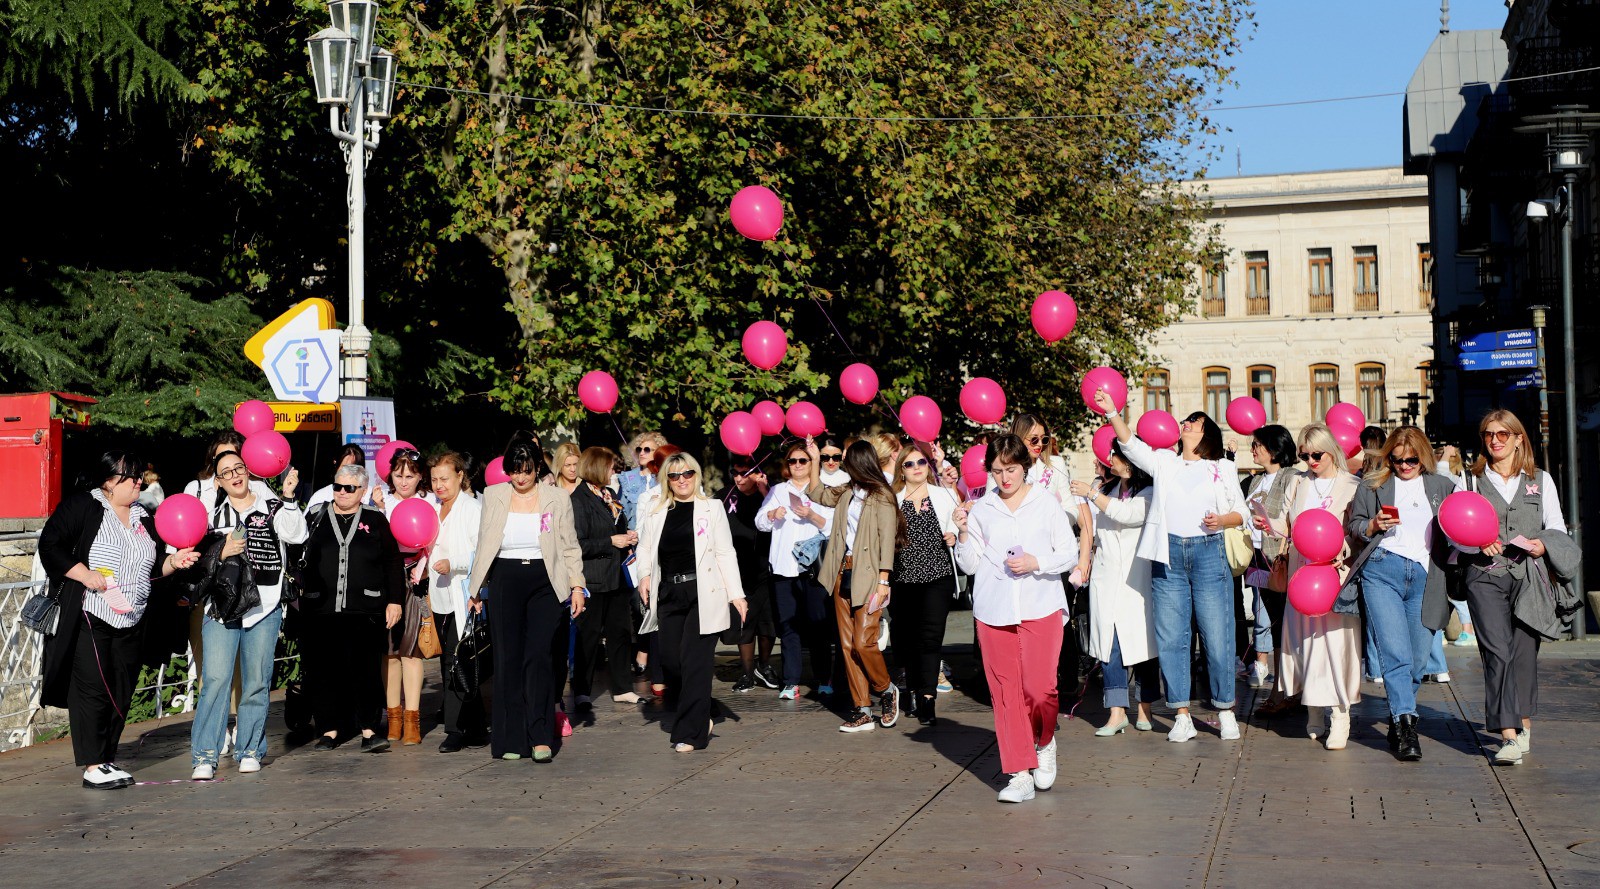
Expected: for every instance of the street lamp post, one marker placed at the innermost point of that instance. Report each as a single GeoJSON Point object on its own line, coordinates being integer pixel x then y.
{"type": "Point", "coordinates": [352, 75]}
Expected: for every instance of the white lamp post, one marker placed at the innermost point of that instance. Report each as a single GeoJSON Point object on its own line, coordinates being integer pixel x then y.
{"type": "Point", "coordinates": [350, 74]}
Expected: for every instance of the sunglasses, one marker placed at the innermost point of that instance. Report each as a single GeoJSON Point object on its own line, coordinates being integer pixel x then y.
{"type": "Point", "coordinates": [832, 458]}
{"type": "Point", "coordinates": [138, 481]}
{"type": "Point", "coordinates": [234, 472]}
{"type": "Point", "coordinates": [674, 476]}
{"type": "Point", "coordinates": [644, 449]}
{"type": "Point", "coordinates": [912, 464]}
{"type": "Point", "coordinates": [1499, 435]}
{"type": "Point", "coordinates": [1038, 439]}
{"type": "Point", "coordinates": [412, 454]}
{"type": "Point", "coordinates": [1314, 455]}
{"type": "Point", "coordinates": [1405, 461]}
{"type": "Point", "coordinates": [799, 461]}
{"type": "Point", "coordinates": [345, 489]}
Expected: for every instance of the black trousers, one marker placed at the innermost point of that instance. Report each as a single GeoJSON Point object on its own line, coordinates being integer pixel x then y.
{"type": "Point", "coordinates": [805, 621]}
{"type": "Point", "coordinates": [917, 613]}
{"type": "Point", "coordinates": [105, 665]}
{"type": "Point", "coordinates": [463, 713]}
{"type": "Point", "coordinates": [608, 616]}
{"type": "Point", "coordinates": [1509, 649]}
{"type": "Point", "coordinates": [344, 661]}
{"type": "Point", "coordinates": [528, 628]}
{"type": "Point", "coordinates": [687, 656]}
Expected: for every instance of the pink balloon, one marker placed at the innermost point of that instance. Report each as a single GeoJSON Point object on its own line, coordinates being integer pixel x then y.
{"type": "Point", "coordinates": [741, 434]}
{"type": "Point", "coordinates": [1107, 379]}
{"type": "Point", "coordinates": [253, 416]}
{"type": "Point", "coordinates": [764, 344]}
{"type": "Point", "coordinates": [1348, 437]}
{"type": "Point", "coordinates": [1468, 519]}
{"type": "Point", "coordinates": [921, 418]}
{"type": "Point", "coordinates": [756, 212]}
{"type": "Point", "coordinates": [1245, 415]}
{"type": "Point", "coordinates": [1345, 414]}
{"type": "Point", "coordinates": [858, 383]}
{"type": "Point", "coordinates": [1102, 443]}
{"type": "Point", "coordinates": [1318, 535]}
{"type": "Point", "coordinates": [1158, 429]}
{"type": "Point", "coordinates": [769, 417]}
{"type": "Point", "coordinates": [1054, 315]}
{"type": "Point", "coordinates": [181, 520]}
{"type": "Point", "coordinates": [265, 454]}
{"type": "Point", "coordinates": [598, 391]}
{"type": "Point", "coordinates": [1313, 589]}
{"type": "Point", "coordinates": [385, 457]}
{"type": "Point", "coordinates": [972, 471]}
{"type": "Point", "coordinates": [983, 401]}
{"type": "Point", "coordinates": [495, 472]}
{"type": "Point", "coordinates": [805, 418]}
{"type": "Point", "coordinates": [414, 523]}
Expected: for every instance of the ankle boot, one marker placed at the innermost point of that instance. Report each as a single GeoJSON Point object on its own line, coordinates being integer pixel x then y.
{"type": "Point", "coordinates": [1338, 728]}
{"type": "Point", "coordinates": [412, 728]}
{"type": "Point", "coordinates": [1394, 735]}
{"type": "Point", "coordinates": [1316, 722]}
{"type": "Point", "coordinates": [394, 723]}
{"type": "Point", "coordinates": [925, 710]}
{"type": "Point", "coordinates": [1410, 749]}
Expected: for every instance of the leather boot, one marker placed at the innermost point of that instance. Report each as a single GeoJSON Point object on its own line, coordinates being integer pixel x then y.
{"type": "Point", "coordinates": [394, 723]}
{"type": "Point", "coordinates": [1410, 749]}
{"type": "Point", "coordinates": [1394, 735]}
{"type": "Point", "coordinates": [1338, 729]}
{"type": "Point", "coordinates": [412, 728]}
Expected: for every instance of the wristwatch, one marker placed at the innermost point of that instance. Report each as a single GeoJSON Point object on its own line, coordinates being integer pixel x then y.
{"type": "Point", "coordinates": [882, 582]}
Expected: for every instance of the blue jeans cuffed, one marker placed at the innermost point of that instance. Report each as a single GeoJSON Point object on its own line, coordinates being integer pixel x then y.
{"type": "Point", "coordinates": [1195, 587]}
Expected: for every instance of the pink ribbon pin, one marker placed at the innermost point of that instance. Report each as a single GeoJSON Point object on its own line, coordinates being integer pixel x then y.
{"type": "Point", "coordinates": [1531, 490]}
{"type": "Point", "coordinates": [701, 526]}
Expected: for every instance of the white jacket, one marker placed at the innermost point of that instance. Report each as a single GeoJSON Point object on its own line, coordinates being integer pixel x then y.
{"type": "Point", "coordinates": [1162, 466]}
{"type": "Point", "coordinates": [716, 567]}
{"type": "Point", "coordinates": [457, 543]}
{"type": "Point", "coordinates": [1119, 587]}
{"type": "Point", "coordinates": [1041, 528]}
{"type": "Point", "coordinates": [788, 531]}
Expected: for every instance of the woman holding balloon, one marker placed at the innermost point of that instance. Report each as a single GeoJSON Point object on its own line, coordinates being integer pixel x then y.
{"type": "Point", "coordinates": [1403, 571]}
{"type": "Point", "coordinates": [1320, 658]}
{"type": "Point", "coordinates": [414, 531]}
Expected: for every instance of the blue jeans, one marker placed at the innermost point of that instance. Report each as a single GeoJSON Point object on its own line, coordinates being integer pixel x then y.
{"type": "Point", "coordinates": [1373, 667]}
{"type": "Point", "coordinates": [1147, 674]}
{"type": "Point", "coordinates": [1462, 612]}
{"type": "Point", "coordinates": [1194, 587]}
{"type": "Point", "coordinates": [253, 650]}
{"type": "Point", "coordinates": [1436, 662]}
{"type": "Point", "coordinates": [1392, 588]}
{"type": "Point", "coordinates": [1263, 629]}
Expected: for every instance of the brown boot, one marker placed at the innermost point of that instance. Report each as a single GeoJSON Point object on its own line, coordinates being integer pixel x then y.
{"type": "Point", "coordinates": [394, 723]}
{"type": "Point", "coordinates": [413, 728]}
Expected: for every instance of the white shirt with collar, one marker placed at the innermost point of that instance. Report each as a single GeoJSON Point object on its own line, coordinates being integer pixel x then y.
{"type": "Point", "coordinates": [1039, 526]}
{"type": "Point", "coordinates": [790, 529]}
{"type": "Point", "coordinates": [1165, 467]}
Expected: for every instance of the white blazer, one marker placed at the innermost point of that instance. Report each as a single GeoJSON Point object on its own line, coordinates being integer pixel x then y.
{"type": "Point", "coordinates": [716, 567]}
{"type": "Point", "coordinates": [1119, 588]}
{"type": "Point", "coordinates": [457, 543]}
{"type": "Point", "coordinates": [1162, 466]}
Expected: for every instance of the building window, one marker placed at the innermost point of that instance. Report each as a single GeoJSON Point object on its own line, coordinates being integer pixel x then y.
{"type": "Point", "coordinates": [1320, 273]}
{"type": "Point", "coordinates": [1214, 298]}
{"type": "Point", "coordinates": [1157, 391]}
{"type": "Point", "coordinates": [1217, 393]}
{"type": "Point", "coordinates": [1425, 274]}
{"type": "Point", "coordinates": [1374, 396]}
{"type": "Point", "coordinates": [1324, 389]}
{"type": "Point", "coordinates": [1257, 284]}
{"type": "Point", "coordinates": [1264, 388]}
{"type": "Point", "coordinates": [1366, 279]}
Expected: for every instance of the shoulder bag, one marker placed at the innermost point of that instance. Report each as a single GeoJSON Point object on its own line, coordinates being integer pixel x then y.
{"type": "Point", "coordinates": [474, 664]}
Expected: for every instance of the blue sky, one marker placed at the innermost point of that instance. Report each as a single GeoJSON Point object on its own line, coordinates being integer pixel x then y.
{"type": "Point", "coordinates": [1310, 50]}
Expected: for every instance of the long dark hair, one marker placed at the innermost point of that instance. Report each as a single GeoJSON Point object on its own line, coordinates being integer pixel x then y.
{"type": "Point", "coordinates": [227, 438]}
{"type": "Point", "coordinates": [861, 464]}
{"type": "Point", "coordinates": [1138, 479]}
{"type": "Point", "coordinates": [1210, 445]}
{"type": "Point", "coordinates": [523, 454]}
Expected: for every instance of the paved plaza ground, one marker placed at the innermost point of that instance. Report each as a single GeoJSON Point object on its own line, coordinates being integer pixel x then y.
{"type": "Point", "coordinates": [783, 799]}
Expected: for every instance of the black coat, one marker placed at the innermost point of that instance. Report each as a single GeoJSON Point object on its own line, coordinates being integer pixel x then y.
{"type": "Point", "coordinates": [67, 537]}
{"type": "Point", "coordinates": [375, 578]}
{"type": "Point", "coordinates": [592, 518]}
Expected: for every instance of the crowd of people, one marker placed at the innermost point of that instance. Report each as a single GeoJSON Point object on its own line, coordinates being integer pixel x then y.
{"type": "Point", "coordinates": [585, 557]}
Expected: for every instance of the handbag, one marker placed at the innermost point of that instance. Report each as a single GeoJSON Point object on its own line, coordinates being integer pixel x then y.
{"type": "Point", "coordinates": [428, 633]}
{"type": "Point", "coordinates": [42, 613]}
{"type": "Point", "coordinates": [1236, 541]}
{"type": "Point", "coordinates": [1278, 574]}
{"type": "Point", "coordinates": [474, 664]}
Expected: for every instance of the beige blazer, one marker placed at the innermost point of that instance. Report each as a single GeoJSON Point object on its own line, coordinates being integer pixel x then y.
{"type": "Point", "coordinates": [716, 568]}
{"type": "Point", "coordinates": [874, 543]}
{"type": "Point", "coordinates": [563, 557]}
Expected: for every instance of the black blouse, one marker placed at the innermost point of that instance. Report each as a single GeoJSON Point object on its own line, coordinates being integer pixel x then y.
{"type": "Point", "coordinates": [925, 557]}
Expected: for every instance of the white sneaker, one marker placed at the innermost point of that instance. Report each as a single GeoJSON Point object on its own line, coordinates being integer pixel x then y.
{"type": "Point", "coordinates": [1044, 777]}
{"type": "Point", "coordinates": [229, 740]}
{"type": "Point", "coordinates": [249, 764]}
{"type": "Point", "coordinates": [1442, 677]}
{"type": "Point", "coordinates": [1510, 753]}
{"type": "Point", "coordinates": [1019, 789]}
{"type": "Point", "coordinates": [1182, 729]}
{"type": "Point", "coordinates": [203, 772]}
{"type": "Point", "coordinates": [106, 777]}
{"type": "Point", "coordinates": [1525, 740]}
{"type": "Point", "coordinates": [627, 697]}
{"type": "Point", "coordinates": [1259, 677]}
{"type": "Point", "coordinates": [1229, 724]}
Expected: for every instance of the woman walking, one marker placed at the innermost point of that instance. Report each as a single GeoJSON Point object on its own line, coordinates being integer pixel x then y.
{"type": "Point", "coordinates": [1016, 542]}
{"type": "Point", "coordinates": [530, 572]}
{"type": "Point", "coordinates": [688, 577]}
{"type": "Point", "coordinates": [603, 535]}
{"type": "Point", "coordinates": [465, 724]}
{"type": "Point", "coordinates": [1273, 449]}
{"type": "Point", "coordinates": [103, 555]}
{"type": "Point", "coordinates": [1121, 620]}
{"type": "Point", "coordinates": [1194, 496]}
{"type": "Point", "coordinates": [564, 467]}
{"type": "Point", "coordinates": [402, 684]}
{"type": "Point", "coordinates": [924, 576]}
{"type": "Point", "coordinates": [801, 604]}
{"type": "Point", "coordinates": [742, 501]}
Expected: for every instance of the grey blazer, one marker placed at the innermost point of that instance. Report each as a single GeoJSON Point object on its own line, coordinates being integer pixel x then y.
{"type": "Point", "coordinates": [563, 557]}
{"type": "Point", "coordinates": [1436, 597]}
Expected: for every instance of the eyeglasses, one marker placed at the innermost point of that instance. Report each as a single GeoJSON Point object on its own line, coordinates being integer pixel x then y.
{"type": "Point", "coordinates": [685, 474]}
{"type": "Point", "coordinates": [831, 458]}
{"type": "Point", "coordinates": [1313, 456]}
{"type": "Point", "coordinates": [1404, 461]}
{"type": "Point", "coordinates": [1500, 435]}
{"type": "Point", "coordinates": [1038, 439]}
{"type": "Point", "coordinates": [800, 461]}
{"type": "Point", "coordinates": [234, 472]}
{"type": "Point", "coordinates": [345, 489]}
{"type": "Point", "coordinates": [412, 454]}
{"type": "Point", "coordinates": [644, 449]}
{"type": "Point", "coordinates": [912, 464]}
{"type": "Point", "coordinates": [1256, 446]}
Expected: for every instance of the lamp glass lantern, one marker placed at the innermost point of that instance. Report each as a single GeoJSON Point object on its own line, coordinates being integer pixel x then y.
{"type": "Point", "coordinates": [359, 19]}
{"type": "Point", "coordinates": [332, 66]}
{"type": "Point", "coordinates": [380, 85]}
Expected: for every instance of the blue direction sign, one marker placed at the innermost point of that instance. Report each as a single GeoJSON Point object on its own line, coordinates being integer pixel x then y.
{"type": "Point", "coordinates": [1503, 339]}
{"type": "Point", "coordinates": [1526, 381]}
{"type": "Point", "coordinates": [1504, 359]}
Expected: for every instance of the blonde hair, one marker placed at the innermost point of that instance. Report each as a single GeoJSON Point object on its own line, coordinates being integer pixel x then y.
{"type": "Point", "coordinates": [671, 464]}
{"type": "Point", "coordinates": [558, 458]}
{"type": "Point", "coordinates": [632, 456]}
{"type": "Point", "coordinates": [887, 446]}
{"type": "Point", "coordinates": [1318, 437]}
{"type": "Point", "coordinates": [1524, 452]}
{"type": "Point", "coordinates": [1409, 437]}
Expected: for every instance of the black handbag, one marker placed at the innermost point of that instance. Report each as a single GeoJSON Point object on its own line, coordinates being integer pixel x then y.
{"type": "Point", "coordinates": [42, 613]}
{"type": "Point", "coordinates": [474, 663]}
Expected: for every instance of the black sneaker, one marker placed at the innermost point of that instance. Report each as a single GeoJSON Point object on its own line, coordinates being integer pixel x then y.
{"type": "Point", "coordinates": [375, 744]}
{"type": "Point", "coordinates": [744, 684]}
{"type": "Point", "coordinates": [325, 743]}
{"type": "Point", "coordinates": [768, 677]}
{"type": "Point", "coordinates": [889, 706]}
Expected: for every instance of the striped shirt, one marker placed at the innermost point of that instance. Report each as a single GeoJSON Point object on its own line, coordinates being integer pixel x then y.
{"type": "Point", "coordinates": [129, 554]}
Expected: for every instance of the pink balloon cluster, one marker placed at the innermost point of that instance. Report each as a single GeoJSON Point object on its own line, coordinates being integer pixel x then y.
{"type": "Point", "coordinates": [756, 212]}
{"type": "Point", "coordinates": [858, 383]}
{"type": "Point", "coordinates": [1313, 589]}
{"type": "Point", "coordinates": [972, 471]}
{"type": "Point", "coordinates": [495, 472]}
{"type": "Point", "coordinates": [253, 416]}
{"type": "Point", "coordinates": [1347, 437]}
{"type": "Point", "coordinates": [414, 523]}
{"type": "Point", "coordinates": [1101, 444]}
{"type": "Point", "coordinates": [1054, 314]}
{"type": "Point", "coordinates": [983, 401]}
{"type": "Point", "coordinates": [1246, 414]}
{"type": "Point", "coordinates": [181, 520]}
{"type": "Point", "coordinates": [383, 462]}
{"type": "Point", "coordinates": [1158, 429]}
{"type": "Point", "coordinates": [769, 416]}
{"type": "Point", "coordinates": [741, 433]}
{"type": "Point", "coordinates": [266, 453]}
{"type": "Point", "coordinates": [1318, 535]}
{"type": "Point", "coordinates": [1108, 380]}
{"type": "Point", "coordinates": [805, 419]}
{"type": "Point", "coordinates": [1345, 414]}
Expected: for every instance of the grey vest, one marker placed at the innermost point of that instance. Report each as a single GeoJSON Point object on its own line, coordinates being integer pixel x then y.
{"type": "Point", "coordinates": [1524, 515]}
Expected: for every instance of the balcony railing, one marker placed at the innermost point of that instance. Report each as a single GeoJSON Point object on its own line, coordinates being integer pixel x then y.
{"type": "Point", "coordinates": [1321, 303]}
{"type": "Point", "coordinates": [1544, 60]}
{"type": "Point", "coordinates": [1367, 300]}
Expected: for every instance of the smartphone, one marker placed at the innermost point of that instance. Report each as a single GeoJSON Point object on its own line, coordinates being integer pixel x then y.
{"type": "Point", "coordinates": [238, 532]}
{"type": "Point", "coordinates": [1014, 552]}
{"type": "Point", "coordinates": [1392, 512]}
{"type": "Point", "coordinates": [794, 501]}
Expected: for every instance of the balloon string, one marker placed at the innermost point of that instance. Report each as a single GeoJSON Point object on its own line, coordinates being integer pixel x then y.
{"type": "Point", "coordinates": [835, 327]}
{"type": "Point", "coordinates": [621, 436]}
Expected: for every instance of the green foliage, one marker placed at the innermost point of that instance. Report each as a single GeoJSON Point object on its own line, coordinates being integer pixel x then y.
{"type": "Point", "coordinates": [85, 47]}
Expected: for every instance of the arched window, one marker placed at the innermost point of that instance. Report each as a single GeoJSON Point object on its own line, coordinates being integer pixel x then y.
{"type": "Point", "coordinates": [1324, 389]}
{"type": "Point", "coordinates": [1373, 392]}
{"type": "Point", "coordinates": [1158, 391]}
{"type": "Point", "coordinates": [1217, 393]}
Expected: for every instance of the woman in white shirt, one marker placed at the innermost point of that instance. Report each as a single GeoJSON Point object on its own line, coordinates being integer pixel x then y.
{"type": "Point", "coordinates": [1017, 542]}
{"type": "Point", "coordinates": [801, 602]}
{"type": "Point", "coordinates": [831, 451]}
{"type": "Point", "coordinates": [1195, 497]}
{"type": "Point", "coordinates": [453, 552]}
{"type": "Point", "coordinates": [403, 675]}
{"type": "Point", "coordinates": [1273, 449]}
